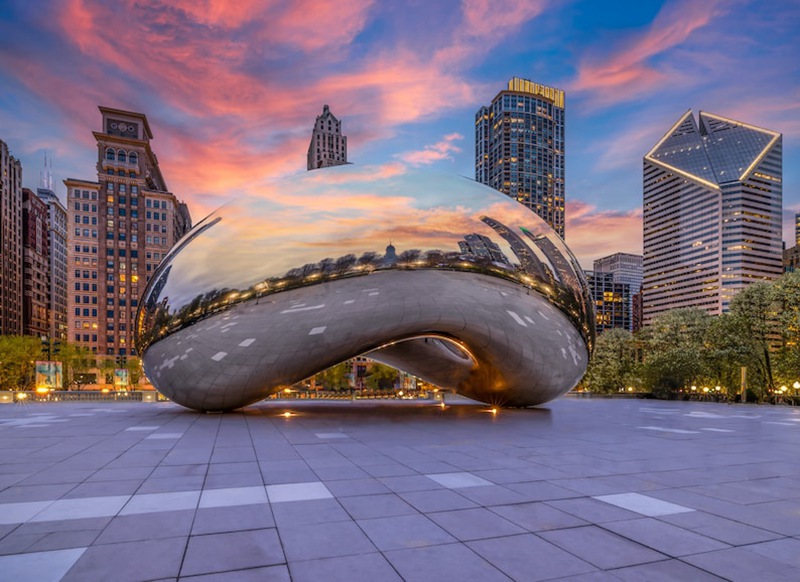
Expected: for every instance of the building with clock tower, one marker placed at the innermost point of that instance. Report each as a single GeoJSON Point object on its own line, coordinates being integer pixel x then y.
{"type": "Point", "coordinates": [119, 229]}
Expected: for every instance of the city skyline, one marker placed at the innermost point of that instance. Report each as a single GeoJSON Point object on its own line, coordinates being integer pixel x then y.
{"type": "Point", "coordinates": [236, 88]}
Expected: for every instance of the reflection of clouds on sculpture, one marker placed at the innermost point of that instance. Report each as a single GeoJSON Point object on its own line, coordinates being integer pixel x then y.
{"type": "Point", "coordinates": [333, 236]}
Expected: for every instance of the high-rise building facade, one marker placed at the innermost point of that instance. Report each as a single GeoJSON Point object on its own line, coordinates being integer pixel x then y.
{"type": "Point", "coordinates": [328, 146]}
{"type": "Point", "coordinates": [519, 147]}
{"type": "Point", "coordinates": [613, 305]}
{"type": "Point", "coordinates": [797, 228]}
{"type": "Point", "coordinates": [712, 213]}
{"type": "Point", "coordinates": [120, 228]}
{"type": "Point", "coordinates": [10, 243]}
{"type": "Point", "coordinates": [57, 259]}
{"type": "Point", "coordinates": [35, 266]}
{"type": "Point", "coordinates": [624, 268]}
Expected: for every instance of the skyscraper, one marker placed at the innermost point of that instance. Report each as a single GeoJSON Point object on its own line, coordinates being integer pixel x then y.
{"type": "Point", "coordinates": [625, 269]}
{"type": "Point", "coordinates": [613, 305]}
{"type": "Point", "coordinates": [328, 146]}
{"type": "Point", "coordinates": [57, 246]}
{"type": "Point", "coordinates": [519, 147]}
{"type": "Point", "coordinates": [120, 228]}
{"type": "Point", "coordinates": [10, 243]}
{"type": "Point", "coordinates": [712, 213]}
{"type": "Point", "coordinates": [35, 266]}
{"type": "Point", "coordinates": [797, 228]}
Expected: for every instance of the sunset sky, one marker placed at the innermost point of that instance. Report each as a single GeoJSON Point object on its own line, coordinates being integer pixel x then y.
{"type": "Point", "coordinates": [232, 89]}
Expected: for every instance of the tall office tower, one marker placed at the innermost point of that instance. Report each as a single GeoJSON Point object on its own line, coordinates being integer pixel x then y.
{"type": "Point", "coordinates": [120, 228]}
{"type": "Point", "coordinates": [35, 266]}
{"type": "Point", "coordinates": [624, 268]}
{"type": "Point", "coordinates": [613, 305]}
{"type": "Point", "coordinates": [10, 243]}
{"type": "Point", "coordinates": [797, 228]}
{"type": "Point", "coordinates": [519, 147]}
{"type": "Point", "coordinates": [712, 213]}
{"type": "Point", "coordinates": [57, 245]}
{"type": "Point", "coordinates": [328, 146]}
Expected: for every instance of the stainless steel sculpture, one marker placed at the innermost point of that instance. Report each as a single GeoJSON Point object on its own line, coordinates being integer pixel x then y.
{"type": "Point", "coordinates": [436, 275]}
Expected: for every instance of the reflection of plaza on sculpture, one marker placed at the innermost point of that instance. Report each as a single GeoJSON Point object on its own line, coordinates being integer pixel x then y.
{"type": "Point", "coordinates": [486, 278]}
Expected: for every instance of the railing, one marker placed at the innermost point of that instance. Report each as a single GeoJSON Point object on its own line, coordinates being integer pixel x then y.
{"type": "Point", "coordinates": [87, 396]}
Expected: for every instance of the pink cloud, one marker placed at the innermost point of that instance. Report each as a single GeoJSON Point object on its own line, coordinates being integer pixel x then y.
{"type": "Point", "coordinates": [441, 150]}
{"type": "Point", "coordinates": [593, 233]}
{"type": "Point", "coordinates": [485, 23]}
{"type": "Point", "coordinates": [627, 72]}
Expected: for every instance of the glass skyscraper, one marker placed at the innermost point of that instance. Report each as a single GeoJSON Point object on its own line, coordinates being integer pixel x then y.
{"type": "Point", "coordinates": [712, 213]}
{"type": "Point", "coordinates": [519, 147]}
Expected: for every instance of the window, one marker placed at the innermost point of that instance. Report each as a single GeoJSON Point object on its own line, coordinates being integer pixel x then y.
{"type": "Point", "coordinates": [133, 158]}
{"type": "Point", "coordinates": [110, 154]}
{"type": "Point", "coordinates": [121, 156]}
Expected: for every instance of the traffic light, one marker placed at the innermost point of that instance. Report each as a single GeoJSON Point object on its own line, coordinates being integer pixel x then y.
{"type": "Point", "coordinates": [56, 347]}
{"type": "Point", "coordinates": [119, 361]}
{"type": "Point", "coordinates": [46, 346]}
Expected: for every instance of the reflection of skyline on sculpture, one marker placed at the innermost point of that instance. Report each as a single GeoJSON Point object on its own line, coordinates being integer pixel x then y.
{"type": "Point", "coordinates": [251, 223]}
{"type": "Point", "coordinates": [462, 263]}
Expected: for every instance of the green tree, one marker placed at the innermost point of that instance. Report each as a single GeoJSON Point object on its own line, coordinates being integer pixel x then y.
{"type": "Point", "coordinates": [18, 355]}
{"type": "Point", "coordinates": [77, 361]}
{"type": "Point", "coordinates": [613, 365]}
{"type": "Point", "coordinates": [336, 377]}
{"type": "Point", "coordinates": [726, 350]}
{"type": "Point", "coordinates": [787, 359]}
{"type": "Point", "coordinates": [755, 311]}
{"type": "Point", "coordinates": [380, 376]}
{"type": "Point", "coordinates": [675, 351]}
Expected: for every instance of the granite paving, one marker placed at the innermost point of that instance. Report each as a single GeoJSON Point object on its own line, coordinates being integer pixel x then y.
{"type": "Point", "coordinates": [580, 489]}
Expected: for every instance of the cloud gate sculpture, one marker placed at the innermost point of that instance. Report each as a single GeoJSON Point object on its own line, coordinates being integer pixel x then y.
{"type": "Point", "coordinates": [436, 275]}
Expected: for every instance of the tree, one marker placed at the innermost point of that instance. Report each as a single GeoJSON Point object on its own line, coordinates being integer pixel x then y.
{"type": "Point", "coordinates": [726, 350]}
{"type": "Point", "coordinates": [380, 376]}
{"type": "Point", "coordinates": [18, 355]}
{"type": "Point", "coordinates": [613, 365]}
{"type": "Point", "coordinates": [787, 297]}
{"type": "Point", "coordinates": [336, 377]}
{"type": "Point", "coordinates": [675, 351]}
{"type": "Point", "coordinates": [755, 311]}
{"type": "Point", "coordinates": [77, 362]}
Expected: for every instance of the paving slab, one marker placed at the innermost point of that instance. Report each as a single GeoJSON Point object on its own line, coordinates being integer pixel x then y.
{"type": "Point", "coordinates": [579, 490]}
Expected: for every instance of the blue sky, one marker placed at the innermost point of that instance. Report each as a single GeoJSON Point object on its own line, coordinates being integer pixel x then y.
{"type": "Point", "coordinates": [232, 88]}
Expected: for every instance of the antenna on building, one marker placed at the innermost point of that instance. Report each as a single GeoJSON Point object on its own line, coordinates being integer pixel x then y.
{"type": "Point", "coordinates": [46, 175]}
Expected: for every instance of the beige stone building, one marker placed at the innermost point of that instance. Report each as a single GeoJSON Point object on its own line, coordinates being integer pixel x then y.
{"type": "Point", "coordinates": [328, 146]}
{"type": "Point", "coordinates": [119, 229]}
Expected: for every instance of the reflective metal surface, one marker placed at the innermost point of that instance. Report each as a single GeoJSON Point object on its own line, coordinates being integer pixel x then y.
{"type": "Point", "coordinates": [436, 275]}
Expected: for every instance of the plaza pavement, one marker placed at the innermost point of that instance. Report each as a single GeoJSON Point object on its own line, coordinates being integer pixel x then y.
{"type": "Point", "coordinates": [582, 489]}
